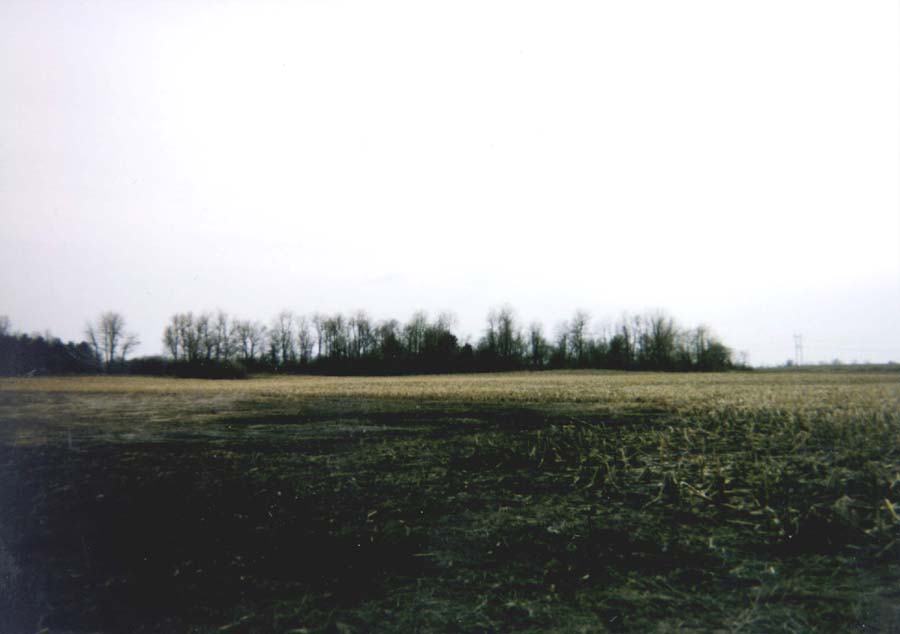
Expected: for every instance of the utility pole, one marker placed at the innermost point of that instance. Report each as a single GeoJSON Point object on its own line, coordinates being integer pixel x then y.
{"type": "Point", "coordinates": [798, 350]}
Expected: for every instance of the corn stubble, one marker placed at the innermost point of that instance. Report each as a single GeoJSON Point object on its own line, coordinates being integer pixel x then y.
{"type": "Point", "coordinates": [553, 501]}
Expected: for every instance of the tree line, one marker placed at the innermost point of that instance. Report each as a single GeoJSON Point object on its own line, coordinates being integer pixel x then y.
{"type": "Point", "coordinates": [106, 348]}
{"type": "Point", "coordinates": [22, 355]}
{"type": "Point", "coordinates": [217, 345]}
{"type": "Point", "coordinates": [356, 344]}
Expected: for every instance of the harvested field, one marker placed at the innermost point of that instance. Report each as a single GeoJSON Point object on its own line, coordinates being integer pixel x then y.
{"type": "Point", "coordinates": [542, 502]}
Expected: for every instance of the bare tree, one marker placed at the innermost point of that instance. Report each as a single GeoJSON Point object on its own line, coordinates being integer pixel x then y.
{"type": "Point", "coordinates": [698, 340]}
{"type": "Point", "coordinates": [414, 332]}
{"type": "Point", "coordinates": [561, 347]}
{"type": "Point", "coordinates": [109, 340]}
{"type": "Point", "coordinates": [247, 338]}
{"type": "Point", "coordinates": [205, 335]}
{"type": "Point", "coordinates": [660, 339]}
{"type": "Point", "coordinates": [318, 322]}
{"type": "Point", "coordinates": [5, 325]}
{"type": "Point", "coordinates": [236, 340]}
{"type": "Point", "coordinates": [638, 339]}
{"type": "Point", "coordinates": [336, 336]}
{"type": "Point", "coordinates": [439, 344]}
{"type": "Point", "coordinates": [221, 340]}
{"type": "Point", "coordinates": [578, 337]}
{"type": "Point", "coordinates": [281, 338]}
{"type": "Point", "coordinates": [509, 339]}
{"type": "Point", "coordinates": [361, 334]}
{"type": "Point", "coordinates": [304, 339]}
{"type": "Point", "coordinates": [172, 339]}
{"type": "Point", "coordinates": [184, 323]}
{"type": "Point", "coordinates": [489, 341]}
{"type": "Point", "coordinates": [388, 339]}
{"type": "Point", "coordinates": [538, 348]}
{"type": "Point", "coordinates": [243, 340]}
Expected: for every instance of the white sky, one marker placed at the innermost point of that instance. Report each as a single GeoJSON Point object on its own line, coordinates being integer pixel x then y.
{"type": "Point", "coordinates": [736, 163]}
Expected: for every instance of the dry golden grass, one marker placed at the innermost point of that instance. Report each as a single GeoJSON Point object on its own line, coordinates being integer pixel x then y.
{"type": "Point", "coordinates": [127, 402]}
{"type": "Point", "coordinates": [802, 392]}
{"type": "Point", "coordinates": [575, 386]}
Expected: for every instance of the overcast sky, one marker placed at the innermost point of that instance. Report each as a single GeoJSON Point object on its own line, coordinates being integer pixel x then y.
{"type": "Point", "coordinates": [735, 163]}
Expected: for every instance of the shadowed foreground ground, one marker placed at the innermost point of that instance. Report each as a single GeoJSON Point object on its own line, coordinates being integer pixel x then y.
{"type": "Point", "coordinates": [555, 502]}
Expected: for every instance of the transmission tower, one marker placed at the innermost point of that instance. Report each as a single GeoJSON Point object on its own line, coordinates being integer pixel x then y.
{"type": "Point", "coordinates": [798, 350]}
